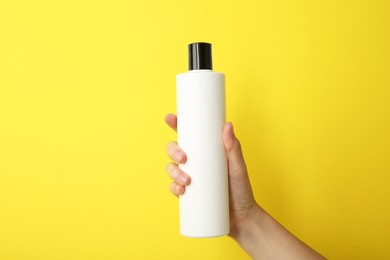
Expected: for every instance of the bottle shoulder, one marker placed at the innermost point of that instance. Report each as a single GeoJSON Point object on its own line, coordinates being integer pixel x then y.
{"type": "Point", "coordinates": [200, 72]}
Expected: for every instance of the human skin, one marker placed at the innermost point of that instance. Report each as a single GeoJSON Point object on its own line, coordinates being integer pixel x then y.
{"type": "Point", "coordinates": [257, 232]}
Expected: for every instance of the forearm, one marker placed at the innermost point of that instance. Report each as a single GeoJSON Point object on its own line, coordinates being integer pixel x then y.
{"type": "Point", "coordinates": [262, 237]}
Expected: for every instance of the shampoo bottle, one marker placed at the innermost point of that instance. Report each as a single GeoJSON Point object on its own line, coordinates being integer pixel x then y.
{"type": "Point", "coordinates": [200, 92]}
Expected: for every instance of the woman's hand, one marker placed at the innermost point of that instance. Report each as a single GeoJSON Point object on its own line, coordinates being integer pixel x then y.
{"type": "Point", "coordinates": [242, 204]}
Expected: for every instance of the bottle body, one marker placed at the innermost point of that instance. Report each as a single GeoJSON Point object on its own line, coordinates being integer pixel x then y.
{"type": "Point", "coordinates": [204, 207]}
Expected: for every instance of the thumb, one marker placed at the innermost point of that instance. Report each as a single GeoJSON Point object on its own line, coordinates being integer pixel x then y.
{"type": "Point", "coordinates": [240, 190]}
{"type": "Point", "coordinates": [237, 167]}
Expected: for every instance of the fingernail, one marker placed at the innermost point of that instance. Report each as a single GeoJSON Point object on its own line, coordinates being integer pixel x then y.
{"type": "Point", "coordinates": [179, 156]}
{"type": "Point", "coordinates": [178, 188]}
{"type": "Point", "coordinates": [184, 179]}
{"type": "Point", "coordinates": [232, 130]}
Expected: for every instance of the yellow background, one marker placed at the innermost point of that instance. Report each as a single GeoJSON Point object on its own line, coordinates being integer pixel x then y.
{"type": "Point", "coordinates": [85, 85]}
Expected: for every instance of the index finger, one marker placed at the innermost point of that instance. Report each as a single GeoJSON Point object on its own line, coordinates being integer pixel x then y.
{"type": "Point", "coordinates": [171, 120]}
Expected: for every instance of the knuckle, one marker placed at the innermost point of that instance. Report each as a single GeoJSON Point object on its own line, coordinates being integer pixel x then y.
{"type": "Point", "coordinates": [172, 170]}
{"type": "Point", "coordinates": [171, 146]}
{"type": "Point", "coordinates": [173, 188]}
{"type": "Point", "coordinates": [168, 167]}
{"type": "Point", "coordinates": [167, 147]}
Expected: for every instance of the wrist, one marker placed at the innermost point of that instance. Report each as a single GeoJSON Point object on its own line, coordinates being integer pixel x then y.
{"type": "Point", "coordinates": [246, 227]}
{"type": "Point", "coordinates": [249, 232]}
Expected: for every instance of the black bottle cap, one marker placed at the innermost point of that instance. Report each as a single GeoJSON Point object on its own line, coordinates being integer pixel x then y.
{"type": "Point", "coordinates": [199, 56]}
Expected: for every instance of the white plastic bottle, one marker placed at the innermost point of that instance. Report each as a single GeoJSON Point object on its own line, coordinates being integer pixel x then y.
{"type": "Point", "coordinates": [204, 207]}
